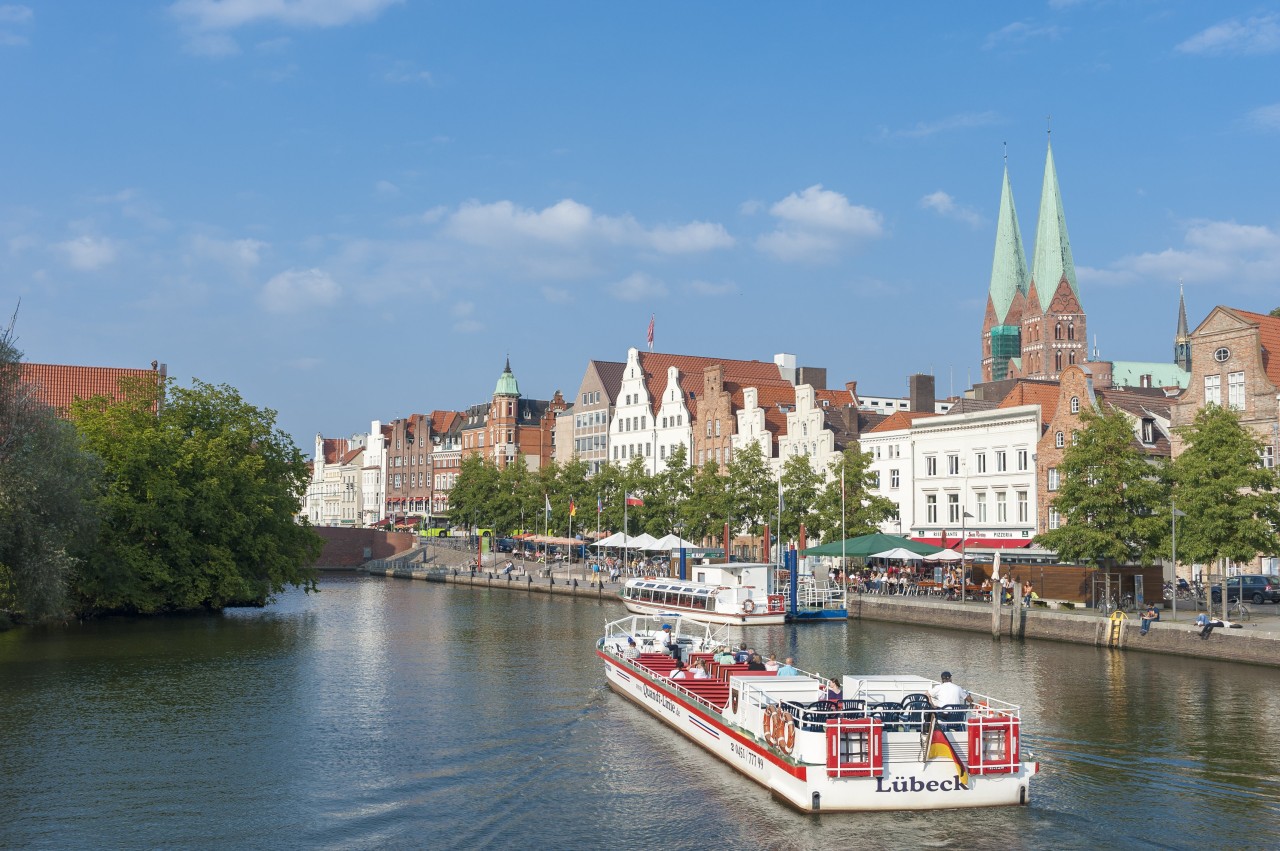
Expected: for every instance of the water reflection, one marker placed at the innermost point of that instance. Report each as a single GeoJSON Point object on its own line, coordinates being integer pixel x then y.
{"type": "Point", "coordinates": [388, 713]}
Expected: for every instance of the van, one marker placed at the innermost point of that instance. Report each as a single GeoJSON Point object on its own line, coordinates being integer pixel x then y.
{"type": "Point", "coordinates": [1254, 587]}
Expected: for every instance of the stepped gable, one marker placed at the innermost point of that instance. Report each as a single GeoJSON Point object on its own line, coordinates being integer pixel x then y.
{"type": "Point", "coordinates": [746, 373]}
{"type": "Point", "coordinates": [774, 401]}
{"type": "Point", "coordinates": [1031, 392]}
{"type": "Point", "coordinates": [58, 386]}
{"type": "Point", "coordinates": [1269, 336]}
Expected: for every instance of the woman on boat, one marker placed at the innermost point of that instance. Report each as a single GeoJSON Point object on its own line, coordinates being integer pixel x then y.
{"type": "Point", "coordinates": [700, 672]}
{"type": "Point", "coordinates": [678, 672]}
{"type": "Point", "coordinates": [755, 663]}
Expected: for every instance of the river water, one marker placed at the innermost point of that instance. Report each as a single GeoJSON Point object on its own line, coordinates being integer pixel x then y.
{"type": "Point", "coordinates": [391, 714]}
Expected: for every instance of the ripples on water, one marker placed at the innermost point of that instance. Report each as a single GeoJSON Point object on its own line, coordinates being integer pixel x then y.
{"type": "Point", "coordinates": [385, 713]}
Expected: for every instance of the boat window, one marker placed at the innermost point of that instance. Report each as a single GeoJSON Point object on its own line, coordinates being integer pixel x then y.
{"type": "Point", "coordinates": [703, 591]}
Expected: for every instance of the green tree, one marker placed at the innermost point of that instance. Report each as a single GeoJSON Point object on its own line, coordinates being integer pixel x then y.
{"type": "Point", "coordinates": [801, 486]}
{"type": "Point", "coordinates": [475, 490]}
{"type": "Point", "coordinates": [1108, 497]}
{"type": "Point", "coordinates": [199, 502]}
{"type": "Point", "coordinates": [572, 484]}
{"type": "Point", "coordinates": [752, 490]}
{"type": "Point", "coordinates": [1231, 501]}
{"type": "Point", "coordinates": [706, 511]}
{"type": "Point", "coordinates": [862, 511]}
{"type": "Point", "coordinates": [669, 490]}
{"type": "Point", "coordinates": [47, 520]}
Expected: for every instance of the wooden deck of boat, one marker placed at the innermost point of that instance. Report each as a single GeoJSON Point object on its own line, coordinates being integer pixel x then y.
{"type": "Point", "coordinates": [713, 691]}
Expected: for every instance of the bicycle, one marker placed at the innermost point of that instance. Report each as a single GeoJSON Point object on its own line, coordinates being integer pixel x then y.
{"type": "Point", "coordinates": [1237, 610]}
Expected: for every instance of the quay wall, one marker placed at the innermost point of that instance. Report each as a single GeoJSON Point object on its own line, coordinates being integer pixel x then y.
{"type": "Point", "coordinates": [1248, 645]}
{"type": "Point", "coordinates": [349, 549]}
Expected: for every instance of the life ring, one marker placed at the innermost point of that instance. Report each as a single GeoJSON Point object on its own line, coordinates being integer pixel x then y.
{"type": "Point", "coordinates": [770, 724]}
{"type": "Point", "coordinates": [748, 606]}
{"type": "Point", "coordinates": [787, 735]}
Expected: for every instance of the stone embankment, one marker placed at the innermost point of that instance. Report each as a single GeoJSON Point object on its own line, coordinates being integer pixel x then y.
{"type": "Point", "coordinates": [1257, 642]}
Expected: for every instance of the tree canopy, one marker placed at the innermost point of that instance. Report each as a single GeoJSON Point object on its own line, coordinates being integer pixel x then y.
{"type": "Point", "coordinates": [1109, 497]}
{"type": "Point", "coordinates": [198, 500]}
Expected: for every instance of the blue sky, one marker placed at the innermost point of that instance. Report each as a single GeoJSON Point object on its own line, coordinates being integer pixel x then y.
{"type": "Point", "coordinates": [355, 209]}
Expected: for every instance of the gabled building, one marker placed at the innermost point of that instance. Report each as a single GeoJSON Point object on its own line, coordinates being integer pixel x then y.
{"type": "Point", "coordinates": [510, 426]}
{"type": "Point", "coordinates": [588, 435]}
{"type": "Point", "coordinates": [58, 386]}
{"type": "Point", "coordinates": [446, 459]}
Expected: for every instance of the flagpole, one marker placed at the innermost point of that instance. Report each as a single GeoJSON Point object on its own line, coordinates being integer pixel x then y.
{"type": "Point", "coordinates": [844, 536]}
{"type": "Point", "coordinates": [626, 543]}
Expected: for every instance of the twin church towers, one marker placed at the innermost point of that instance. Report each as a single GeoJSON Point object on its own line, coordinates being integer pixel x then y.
{"type": "Point", "coordinates": [1034, 325]}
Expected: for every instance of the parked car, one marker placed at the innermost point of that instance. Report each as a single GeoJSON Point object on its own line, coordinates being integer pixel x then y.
{"type": "Point", "coordinates": [1254, 587]}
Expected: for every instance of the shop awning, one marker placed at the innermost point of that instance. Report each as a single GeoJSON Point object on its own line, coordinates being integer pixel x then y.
{"type": "Point", "coordinates": [979, 543]}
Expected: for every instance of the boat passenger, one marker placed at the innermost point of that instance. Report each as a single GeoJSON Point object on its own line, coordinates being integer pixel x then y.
{"type": "Point", "coordinates": [724, 656]}
{"type": "Point", "coordinates": [699, 671]}
{"type": "Point", "coordinates": [788, 669]}
{"type": "Point", "coordinates": [947, 693]}
{"type": "Point", "coordinates": [631, 652]}
{"type": "Point", "coordinates": [771, 664]}
{"type": "Point", "coordinates": [679, 673]}
{"type": "Point", "coordinates": [834, 691]}
{"type": "Point", "coordinates": [742, 654]}
{"type": "Point", "coordinates": [755, 663]}
{"type": "Point", "coordinates": [669, 641]}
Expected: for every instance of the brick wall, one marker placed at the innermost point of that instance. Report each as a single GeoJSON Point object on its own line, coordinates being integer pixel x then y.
{"type": "Point", "coordinates": [350, 548]}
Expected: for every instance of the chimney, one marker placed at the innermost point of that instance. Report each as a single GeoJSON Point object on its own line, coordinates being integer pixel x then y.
{"type": "Point", "coordinates": [920, 393]}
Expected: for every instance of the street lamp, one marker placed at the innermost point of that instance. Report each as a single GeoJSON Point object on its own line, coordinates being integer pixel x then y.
{"type": "Point", "coordinates": [1174, 514]}
{"type": "Point", "coordinates": [965, 517]}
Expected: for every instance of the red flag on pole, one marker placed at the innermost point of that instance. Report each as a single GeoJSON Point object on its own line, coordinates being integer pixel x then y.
{"type": "Point", "coordinates": [650, 332]}
{"type": "Point", "coordinates": [634, 500]}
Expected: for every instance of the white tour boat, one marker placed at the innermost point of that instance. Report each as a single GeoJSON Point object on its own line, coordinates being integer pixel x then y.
{"type": "Point", "coordinates": [882, 746]}
{"type": "Point", "coordinates": [736, 593]}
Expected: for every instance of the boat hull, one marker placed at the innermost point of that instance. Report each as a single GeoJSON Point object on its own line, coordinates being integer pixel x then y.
{"type": "Point", "coordinates": [927, 785]}
{"type": "Point", "coordinates": [759, 618]}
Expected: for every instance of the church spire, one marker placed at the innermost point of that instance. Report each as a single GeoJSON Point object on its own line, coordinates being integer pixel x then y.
{"type": "Point", "coordinates": [1052, 262]}
{"type": "Point", "coordinates": [1182, 340]}
{"type": "Point", "coordinates": [1009, 265]}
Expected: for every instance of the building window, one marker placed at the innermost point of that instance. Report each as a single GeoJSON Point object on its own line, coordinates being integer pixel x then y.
{"type": "Point", "coordinates": [1022, 460]}
{"type": "Point", "coordinates": [1053, 478]}
{"type": "Point", "coordinates": [1148, 431]}
{"type": "Point", "coordinates": [931, 465]}
{"type": "Point", "coordinates": [1058, 440]}
{"type": "Point", "coordinates": [708, 428]}
{"type": "Point", "coordinates": [1002, 461]}
{"type": "Point", "coordinates": [1075, 404]}
{"type": "Point", "coordinates": [1022, 506]}
{"type": "Point", "coordinates": [875, 479]}
{"type": "Point", "coordinates": [982, 462]}
{"type": "Point", "coordinates": [981, 506]}
{"type": "Point", "coordinates": [1235, 390]}
{"type": "Point", "coordinates": [953, 508]}
{"type": "Point", "coordinates": [717, 428]}
{"type": "Point", "coordinates": [1222, 355]}
{"type": "Point", "coordinates": [893, 478]}
{"type": "Point", "coordinates": [1057, 361]}
{"type": "Point", "coordinates": [1055, 519]}
{"type": "Point", "coordinates": [953, 465]}
{"type": "Point", "coordinates": [1075, 437]}
{"type": "Point", "coordinates": [1002, 510]}
{"type": "Point", "coordinates": [931, 509]}
{"type": "Point", "coordinates": [1213, 388]}
{"type": "Point", "coordinates": [1269, 457]}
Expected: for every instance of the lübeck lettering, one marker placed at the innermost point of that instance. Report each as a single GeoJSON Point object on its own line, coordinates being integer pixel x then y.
{"type": "Point", "coordinates": [915, 784]}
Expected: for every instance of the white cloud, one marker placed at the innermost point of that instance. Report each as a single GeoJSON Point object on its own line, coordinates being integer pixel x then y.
{"type": "Point", "coordinates": [1019, 33]}
{"type": "Point", "coordinates": [959, 121]}
{"type": "Point", "coordinates": [88, 253]}
{"type": "Point", "coordinates": [230, 14]}
{"type": "Point", "coordinates": [816, 223]}
{"type": "Point", "coordinates": [569, 224]}
{"type": "Point", "coordinates": [1265, 117]}
{"type": "Point", "coordinates": [238, 253]}
{"type": "Point", "coordinates": [1226, 255]}
{"type": "Point", "coordinates": [1259, 34]}
{"type": "Point", "coordinates": [944, 205]}
{"type": "Point", "coordinates": [638, 287]}
{"type": "Point", "coordinates": [386, 189]}
{"type": "Point", "coordinates": [11, 15]}
{"type": "Point", "coordinates": [750, 208]}
{"type": "Point", "coordinates": [464, 312]}
{"type": "Point", "coordinates": [297, 290]}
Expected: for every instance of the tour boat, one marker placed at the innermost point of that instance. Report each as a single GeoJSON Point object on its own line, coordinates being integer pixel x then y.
{"type": "Point", "coordinates": [878, 745]}
{"type": "Point", "coordinates": [736, 593]}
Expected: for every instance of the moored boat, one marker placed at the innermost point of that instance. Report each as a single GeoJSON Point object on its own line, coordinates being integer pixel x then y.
{"type": "Point", "coordinates": [736, 593]}
{"type": "Point", "coordinates": [880, 746]}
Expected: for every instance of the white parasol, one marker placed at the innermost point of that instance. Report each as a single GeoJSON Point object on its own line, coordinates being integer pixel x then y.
{"type": "Point", "coordinates": [944, 555]}
{"type": "Point", "coordinates": [899, 553]}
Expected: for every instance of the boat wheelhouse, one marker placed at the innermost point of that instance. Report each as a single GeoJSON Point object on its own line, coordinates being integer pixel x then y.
{"type": "Point", "coordinates": [739, 593]}
{"type": "Point", "coordinates": [881, 745]}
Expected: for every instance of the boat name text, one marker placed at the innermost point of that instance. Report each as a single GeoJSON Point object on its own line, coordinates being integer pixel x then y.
{"type": "Point", "coordinates": [660, 699]}
{"type": "Point", "coordinates": [915, 784]}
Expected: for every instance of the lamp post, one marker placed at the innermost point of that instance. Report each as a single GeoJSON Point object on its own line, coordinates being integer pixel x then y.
{"type": "Point", "coordinates": [1174, 514]}
{"type": "Point", "coordinates": [965, 517]}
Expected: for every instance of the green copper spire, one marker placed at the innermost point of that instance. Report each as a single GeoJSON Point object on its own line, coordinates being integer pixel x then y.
{"type": "Point", "coordinates": [1053, 247]}
{"type": "Point", "coordinates": [1009, 266]}
{"type": "Point", "coordinates": [507, 385]}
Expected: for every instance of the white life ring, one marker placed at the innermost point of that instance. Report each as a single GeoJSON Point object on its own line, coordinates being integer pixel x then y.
{"type": "Point", "coordinates": [748, 606]}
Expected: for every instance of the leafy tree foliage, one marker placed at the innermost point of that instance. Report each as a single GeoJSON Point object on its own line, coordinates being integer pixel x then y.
{"type": "Point", "coordinates": [801, 485]}
{"type": "Point", "coordinates": [199, 502]}
{"type": "Point", "coordinates": [862, 511]}
{"type": "Point", "coordinates": [668, 491]}
{"type": "Point", "coordinates": [475, 492]}
{"type": "Point", "coordinates": [46, 519]}
{"type": "Point", "coordinates": [752, 490]}
{"type": "Point", "coordinates": [1230, 499]}
{"type": "Point", "coordinates": [1109, 496]}
{"type": "Point", "coordinates": [707, 510]}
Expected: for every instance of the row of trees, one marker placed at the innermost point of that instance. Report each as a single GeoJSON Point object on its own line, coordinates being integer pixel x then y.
{"type": "Point", "coordinates": [168, 499]}
{"type": "Point", "coordinates": [1117, 504]}
{"type": "Point", "coordinates": [692, 501]}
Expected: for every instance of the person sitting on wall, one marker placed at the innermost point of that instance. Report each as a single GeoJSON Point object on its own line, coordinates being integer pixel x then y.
{"type": "Point", "coordinates": [1149, 616]}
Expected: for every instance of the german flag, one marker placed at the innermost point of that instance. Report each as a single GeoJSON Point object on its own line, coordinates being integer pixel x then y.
{"type": "Point", "coordinates": [940, 748]}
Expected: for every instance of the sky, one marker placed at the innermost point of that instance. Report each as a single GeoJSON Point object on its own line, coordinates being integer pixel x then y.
{"type": "Point", "coordinates": [358, 209]}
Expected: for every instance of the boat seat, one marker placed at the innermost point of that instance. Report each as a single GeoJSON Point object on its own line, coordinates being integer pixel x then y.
{"type": "Point", "coordinates": [814, 716]}
{"type": "Point", "coordinates": [890, 715]}
{"type": "Point", "coordinates": [850, 709]}
{"type": "Point", "coordinates": [915, 714]}
{"type": "Point", "coordinates": [952, 717]}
